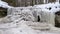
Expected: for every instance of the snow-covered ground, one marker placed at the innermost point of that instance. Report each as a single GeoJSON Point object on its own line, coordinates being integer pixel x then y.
{"type": "Point", "coordinates": [22, 28]}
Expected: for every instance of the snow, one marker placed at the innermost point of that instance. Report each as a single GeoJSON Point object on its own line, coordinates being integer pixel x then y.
{"type": "Point", "coordinates": [22, 28]}
{"type": "Point", "coordinates": [54, 7]}
{"type": "Point", "coordinates": [19, 26]}
{"type": "Point", "coordinates": [4, 4]}
{"type": "Point", "coordinates": [43, 6]}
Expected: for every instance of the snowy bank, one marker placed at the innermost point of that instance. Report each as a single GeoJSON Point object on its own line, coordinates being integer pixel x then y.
{"type": "Point", "coordinates": [4, 4]}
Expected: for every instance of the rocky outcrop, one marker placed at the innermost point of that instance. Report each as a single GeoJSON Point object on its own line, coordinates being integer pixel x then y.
{"type": "Point", "coordinates": [57, 19]}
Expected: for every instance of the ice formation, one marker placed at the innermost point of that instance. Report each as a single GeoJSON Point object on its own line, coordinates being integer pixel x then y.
{"type": "Point", "coordinates": [29, 20]}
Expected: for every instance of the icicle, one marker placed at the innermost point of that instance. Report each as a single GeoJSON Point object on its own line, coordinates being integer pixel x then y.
{"type": "Point", "coordinates": [47, 1]}
{"type": "Point", "coordinates": [44, 1]}
{"type": "Point", "coordinates": [57, 0]}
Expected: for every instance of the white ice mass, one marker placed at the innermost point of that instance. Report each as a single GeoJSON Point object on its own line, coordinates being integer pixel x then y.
{"type": "Point", "coordinates": [24, 20]}
{"type": "Point", "coordinates": [4, 4]}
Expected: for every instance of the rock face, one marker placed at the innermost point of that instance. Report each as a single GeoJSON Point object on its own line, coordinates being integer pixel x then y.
{"type": "Point", "coordinates": [57, 19]}
{"type": "Point", "coordinates": [3, 12]}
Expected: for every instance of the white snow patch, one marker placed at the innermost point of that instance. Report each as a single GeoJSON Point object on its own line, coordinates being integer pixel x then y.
{"type": "Point", "coordinates": [4, 4]}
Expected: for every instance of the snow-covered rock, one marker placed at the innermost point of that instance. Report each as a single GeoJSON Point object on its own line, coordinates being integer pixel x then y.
{"type": "Point", "coordinates": [45, 6]}
{"type": "Point", "coordinates": [4, 4]}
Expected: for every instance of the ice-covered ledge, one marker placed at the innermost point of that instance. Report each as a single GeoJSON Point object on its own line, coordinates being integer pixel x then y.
{"type": "Point", "coordinates": [34, 13]}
